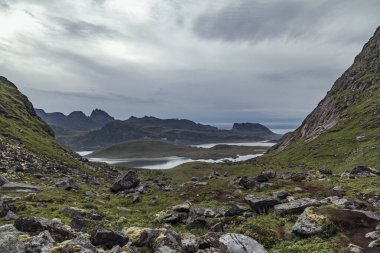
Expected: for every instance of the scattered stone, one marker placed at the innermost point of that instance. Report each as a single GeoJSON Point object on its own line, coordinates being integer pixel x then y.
{"type": "Point", "coordinates": [200, 183]}
{"type": "Point", "coordinates": [77, 212]}
{"type": "Point", "coordinates": [218, 227]}
{"type": "Point", "coordinates": [127, 181]}
{"type": "Point", "coordinates": [338, 189]}
{"type": "Point", "coordinates": [190, 244]}
{"type": "Point", "coordinates": [373, 235]}
{"type": "Point", "coordinates": [281, 195]}
{"type": "Point", "coordinates": [355, 248]}
{"type": "Point", "coordinates": [309, 223]}
{"type": "Point", "coordinates": [238, 243]}
{"type": "Point", "coordinates": [108, 238]}
{"type": "Point", "coordinates": [136, 198]}
{"type": "Point", "coordinates": [262, 178]}
{"type": "Point", "coordinates": [153, 201]}
{"type": "Point", "coordinates": [3, 180]}
{"type": "Point", "coordinates": [11, 216]}
{"type": "Point", "coordinates": [261, 204]}
{"type": "Point", "coordinates": [20, 187]}
{"type": "Point", "coordinates": [236, 210]}
{"type": "Point", "coordinates": [183, 208]}
{"type": "Point", "coordinates": [196, 223]}
{"type": "Point", "coordinates": [67, 184]}
{"type": "Point", "coordinates": [296, 206]}
{"type": "Point", "coordinates": [374, 244]}
{"type": "Point", "coordinates": [325, 171]}
{"type": "Point", "coordinates": [35, 225]}
{"type": "Point", "coordinates": [9, 240]}
{"type": "Point", "coordinates": [41, 243]}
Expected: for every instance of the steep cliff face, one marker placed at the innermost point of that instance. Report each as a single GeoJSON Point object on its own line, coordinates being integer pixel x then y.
{"type": "Point", "coordinates": [345, 125]}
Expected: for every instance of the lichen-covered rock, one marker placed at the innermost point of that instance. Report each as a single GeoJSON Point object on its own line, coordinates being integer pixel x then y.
{"type": "Point", "coordinates": [190, 244]}
{"type": "Point", "coordinates": [9, 240]}
{"type": "Point", "coordinates": [310, 223]}
{"type": "Point", "coordinates": [238, 243]}
{"type": "Point", "coordinates": [41, 243]}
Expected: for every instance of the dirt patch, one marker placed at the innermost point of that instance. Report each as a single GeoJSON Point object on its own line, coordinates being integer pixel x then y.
{"type": "Point", "coordinates": [354, 225]}
{"type": "Point", "coordinates": [317, 191]}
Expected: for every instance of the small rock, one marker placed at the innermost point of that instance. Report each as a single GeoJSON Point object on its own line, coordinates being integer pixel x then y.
{"type": "Point", "coordinates": [136, 198]}
{"type": "Point", "coordinates": [196, 223]}
{"type": "Point", "coordinates": [127, 181]}
{"type": "Point", "coordinates": [20, 187]}
{"type": "Point", "coordinates": [355, 248]}
{"type": "Point", "coordinates": [11, 216]}
{"type": "Point", "coordinates": [236, 210]}
{"type": "Point", "coordinates": [374, 244]}
{"type": "Point", "coordinates": [338, 189]}
{"type": "Point", "coordinates": [281, 195]}
{"type": "Point", "coordinates": [262, 178]}
{"type": "Point", "coordinates": [325, 171]}
{"type": "Point", "coordinates": [41, 243]}
{"type": "Point", "coordinates": [373, 235]}
{"type": "Point", "coordinates": [190, 244]}
{"type": "Point", "coordinates": [182, 208]}
{"type": "Point", "coordinates": [67, 184]}
{"type": "Point", "coordinates": [3, 180]}
{"type": "Point", "coordinates": [218, 227]}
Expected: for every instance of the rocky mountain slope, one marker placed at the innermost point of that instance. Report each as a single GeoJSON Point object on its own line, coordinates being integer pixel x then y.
{"type": "Point", "coordinates": [343, 130]}
{"type": "Point", "coordinates": [171, 130]}
{"type": "Point", "coordinates": [75, 121]}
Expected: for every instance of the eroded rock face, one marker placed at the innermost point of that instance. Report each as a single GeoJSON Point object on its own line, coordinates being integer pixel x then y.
{"type": "Point", "coordinates": [127, 181]}
{"type": "Point", "coordinates": [238, 243]}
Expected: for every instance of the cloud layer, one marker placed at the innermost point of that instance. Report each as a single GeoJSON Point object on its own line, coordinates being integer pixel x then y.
{"type": "Point", "coordinates": [210, 61]}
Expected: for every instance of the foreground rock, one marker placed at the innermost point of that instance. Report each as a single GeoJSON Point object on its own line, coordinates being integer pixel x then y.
{"type": "Point", "coordinates": [34, 226]}
{"type": "Point", "coordinates": [108, 238]}
{"type": "Point", "coordinates": [125, 182]}
{"type": "Point", "coordinates": [238, 243]}
{"type": "Point", "coordinates": [9, 240]}
{"type": "Point", "coordinates": [295, 206]}
{"type": "Point", "coordinates": [309, 223]}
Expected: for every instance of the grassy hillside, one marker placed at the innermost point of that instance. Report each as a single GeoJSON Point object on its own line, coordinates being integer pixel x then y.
{"type": "Point", "coordinates": [20, 124]}
{"type": "Point", "coordinates": [344, 130]}
{"type": "Point", "coordinates": [153, 149]}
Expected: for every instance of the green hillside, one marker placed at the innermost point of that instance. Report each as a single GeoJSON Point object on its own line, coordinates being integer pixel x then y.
{"type": "Point", "coordinates": [344, 130]}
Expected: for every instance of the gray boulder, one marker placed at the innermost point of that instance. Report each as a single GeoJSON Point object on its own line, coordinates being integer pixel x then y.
{"type": "Point", "coordinates": [238, 243]}
{"type": "Point", "coordinates": [236, 210]}
{"type": "Point", "coordinates": [190, 244]}
{"type": "Point", "coordinates": [295, 206]}
{"type": "Point", "coordinates": [20, 187]}
{"type": "Point", "coordinates": [41, 243]}
{"type": "Point", "coordinates": [108, 238]}
{"type": "Point", "coordinates": [9, 240]}
{"type": "Point", "coordinates": [125, 182]}
{"type": "Point", "coordinates": [67, 184]}
{"type": "Point", "coordinates": [261, 204]}
{"type": "Point", "coordinates": [310, 223]}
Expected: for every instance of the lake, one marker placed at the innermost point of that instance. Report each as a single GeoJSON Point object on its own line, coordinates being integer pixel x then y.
{"type": "Point", "coordinates": [171, 162]}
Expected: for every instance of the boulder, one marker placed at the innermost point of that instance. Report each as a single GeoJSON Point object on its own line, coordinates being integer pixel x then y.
{"type": "Point", "coordinates": [236, 210]}
{"type": "Point", "coordinates": [196, 223]}
{"type": "Point", "coordinates": [127, 181]}
{"type": "Point", "coordinates": [159, 240]}
{"type": "Point", "coordinates": [309, 223]}
{"type": "Point", "coordinates": [190, 244]}
{"type": "Point", "coordinates": [296, 206]}
{"type": "Point", "coordinates": [67, 184]}
{"type": "Point", "coordinates": [244, 182]}
{"type": "Point", "coordinates": [79, 244]}
{"type": "Point", "coordinates": [108, 238]}
{"type": "Point", "coordinates": [9, 240]}
{"type": "Point", "coordinates": [41, 243]}
{"type": "Point", "coordinates": [281, 195]}
{"type": "Point", "coordinates": [183, 208]}
{"type": "Point", "coordinates": [373, 235]}
{"type": "Point", "coordinates": [262, 178]}
{"type": "Point", "coordinates": [238, 243]}
{"type": "Point", "coordinates": [325, 171]}
{"type": "Point", "coordinates": [34, 225]}
{"type": "Point", "coordinates": [20, 187]}
{"type": "Point", "coordinates": [204, 212]}
{"type": "Point", "coordinates": [3, 180]}
{"type": "Point", "coordinates": [261, 204]}
{"type": "Point", "coordinates": [77, 212]}
{"type": "Point", "coordinates": [360, 169]}
{"type": "Point", "coordinates": [209, 240]}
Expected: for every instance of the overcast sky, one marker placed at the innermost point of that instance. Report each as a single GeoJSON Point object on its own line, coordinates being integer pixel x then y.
{"type": "Point", "coordinates": [206, 60]}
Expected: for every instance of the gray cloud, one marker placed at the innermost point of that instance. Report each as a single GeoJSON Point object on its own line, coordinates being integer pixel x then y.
{"type": "Point", "coordinates": [210, 61]}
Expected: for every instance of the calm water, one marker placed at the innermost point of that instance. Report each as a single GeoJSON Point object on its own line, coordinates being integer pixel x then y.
{"type": "Point", "coordinates": [171, 162]}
